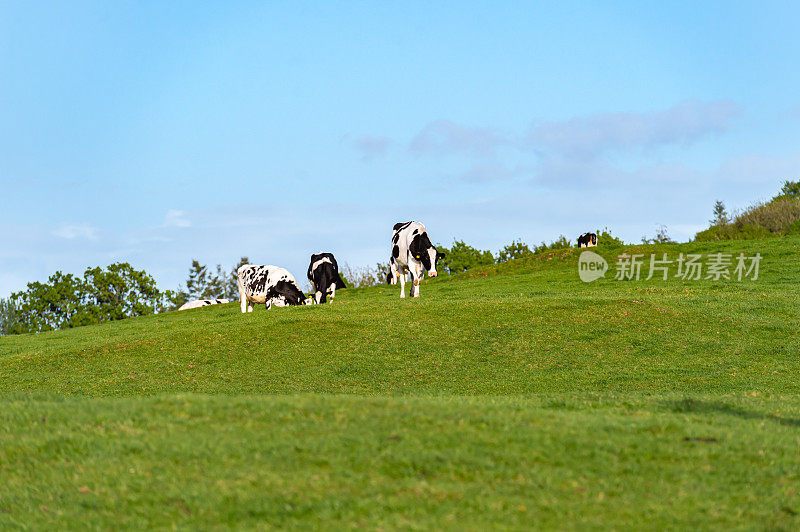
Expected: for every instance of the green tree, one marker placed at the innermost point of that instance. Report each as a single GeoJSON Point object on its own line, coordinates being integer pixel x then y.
{"type": "Point", "coordinates": [198, 280]}
{"type": "Point", "coordinates": [606, 239]}
{"type": "Point", "coordinates": [514, 250]}
{"type": "Point", "coordinates": [790, 190]}
{"type": "Point", "coordinates": [461, 257]}
{"type": "Point", "coordinates": [59, 303]}
{"type": "Point", "coordinates": [9, 317]}
{"type": "Point", "coordinates": [560, 243]}
{"type": "Point", "coordinates": [119, 291]}
{"type": "Point", "coordinates": [103, 294]}
{"type": "Point", "coordinates": [720, 214]}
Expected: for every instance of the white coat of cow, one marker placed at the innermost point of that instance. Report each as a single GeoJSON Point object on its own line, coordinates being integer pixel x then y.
{"type": "Point", "coordinates": [270, 285]}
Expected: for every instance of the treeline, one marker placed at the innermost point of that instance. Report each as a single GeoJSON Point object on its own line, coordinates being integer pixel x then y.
{"type": "Point", "coordinates": [113, 293]}
{"type": "Point", "coordinates": [103, 294]}
{"type": "Point", "coordinates": [779, 216]}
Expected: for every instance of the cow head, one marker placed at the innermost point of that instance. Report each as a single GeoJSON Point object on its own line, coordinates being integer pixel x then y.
{"type": "Point", "coordinates": [284, 294]}
{"type": "Point", "coordinates": [423, 250]}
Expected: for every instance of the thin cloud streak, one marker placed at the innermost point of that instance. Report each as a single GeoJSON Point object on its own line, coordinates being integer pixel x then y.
{"type": "Point", "coordinates": [444, 137]}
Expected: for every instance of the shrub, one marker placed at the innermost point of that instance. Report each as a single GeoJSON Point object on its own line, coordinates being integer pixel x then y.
{"type": "Point", "coordinates": [461, 257]}
{"type": "Point", "coordinates": [514, 250]}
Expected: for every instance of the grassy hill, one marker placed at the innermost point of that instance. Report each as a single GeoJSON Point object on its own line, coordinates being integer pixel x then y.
{"type": "Point", "coordinates": [510, 396]}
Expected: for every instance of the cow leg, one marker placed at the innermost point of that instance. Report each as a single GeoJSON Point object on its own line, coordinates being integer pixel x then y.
{"type": "Point", "coordinates": [242, 298]}
{"type": "Point", "coordinates": [333, 292]}
{"type": "Point", "coordinates": [402, 277]}
{"type": "Point", "coordinates": [317, 297]}
{"type": "Point", "coordinates": [414, 283]}
{"type": "Point", "coordinates": [249, 306]}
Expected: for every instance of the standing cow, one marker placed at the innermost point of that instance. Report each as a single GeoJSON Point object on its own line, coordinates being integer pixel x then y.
{"type": "Point", "coordinates": [412, 252]}
{"type": "Point", "coordinates": [270, 285]}
{"type": "Point", "coordinates": [323, 274]}
{"type": "Point", "coordinates": [587, 240]}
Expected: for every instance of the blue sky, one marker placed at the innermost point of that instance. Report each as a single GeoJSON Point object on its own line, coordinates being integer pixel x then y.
{"type": "Point", "coordinates": [159, 132]}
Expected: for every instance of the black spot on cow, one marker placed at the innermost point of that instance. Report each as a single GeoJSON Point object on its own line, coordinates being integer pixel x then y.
{"type": "Point", "coordinates": [395, 238]}
{"type": "Point", "coordinates": [395, 251]}
{"type": "Point", "coordinates": [400, 226]}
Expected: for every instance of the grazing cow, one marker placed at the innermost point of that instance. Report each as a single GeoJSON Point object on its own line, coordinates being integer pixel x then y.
{"type": "Point", "coordinates": [271, 285]}
{"type": "Point", "coordinates": [412, 251]}
{"type": "Point", "coordinates": [202, 303]}
{"type": "Point", "coordinates": [323, 274]}
{"type": "Point", "coordinates": [587, 240]}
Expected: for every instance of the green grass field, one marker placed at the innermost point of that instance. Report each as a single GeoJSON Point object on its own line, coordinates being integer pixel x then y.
{"type": "Point", "coordinates": [507, 397]}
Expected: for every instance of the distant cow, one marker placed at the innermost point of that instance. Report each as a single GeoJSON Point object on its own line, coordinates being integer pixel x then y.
{"type": "Point", "coordinates": [270, 285]}
{"type": "Point", "coordinates": [587, 240]}
{"type": "Point", "coordinates": [323, 274]}
{"type": "Point", "coordinates": [202, 303]}
{"type": "Point", "coordinates": [412, 252]}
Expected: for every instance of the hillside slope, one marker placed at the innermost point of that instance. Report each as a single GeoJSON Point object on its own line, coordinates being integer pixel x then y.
{"type": "Point", "coordinates": [512, 396]}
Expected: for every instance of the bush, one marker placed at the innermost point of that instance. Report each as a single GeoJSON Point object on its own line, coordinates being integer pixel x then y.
{"type": "Point", "coordinates": [362, 276]}
{"type": "Point", "coordinates": [778, 217]}
{"type": "Point", "coordinates": [514, 250]}
{"type": "Point", "coordinates": [461, 257]}
{"type": "Point", "coordinates": [560, 243]}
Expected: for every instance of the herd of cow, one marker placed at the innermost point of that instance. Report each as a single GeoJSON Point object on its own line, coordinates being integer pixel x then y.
{"type": "Point", "coordinates": [413, 253]}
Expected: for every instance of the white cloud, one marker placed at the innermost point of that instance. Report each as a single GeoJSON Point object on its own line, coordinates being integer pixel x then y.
{"type": "Point", "coordinates": [590, 136]}
{"type": "Point", "coordinates": [176, 218]}
{"type": "Point", "coordinates": [79, 231]}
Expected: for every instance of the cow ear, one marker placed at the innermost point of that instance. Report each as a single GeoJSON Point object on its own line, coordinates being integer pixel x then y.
{"type": "Point", "coordinates": [440, 255]}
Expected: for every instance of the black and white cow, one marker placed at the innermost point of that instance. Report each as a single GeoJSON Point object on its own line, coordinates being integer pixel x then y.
{"type": "Point", "coordinates": [270, 285]}
{"type": "Point", "coordinates": [587, 240]}
{"type": "Point", "coordinates": [202, 303]}
{"type": "Point", "coordinates": [323, 274]}
{"type": "Point", "coordinates": [412, 252]}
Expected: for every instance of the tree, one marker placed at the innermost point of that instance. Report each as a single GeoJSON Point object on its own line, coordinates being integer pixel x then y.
{"type": "Point", "coordinates": [606, 239]}
{"type": "Point", "coordinates": [790, 190]}
{"type": "Point", "coordinates": [59, 303]}
{"type": "Point", "coordinates": [720, 214]}
{"type": "Point", "coordinates": [9, 317]}
{"type": "Point", "coordinates": [120, 292]}
{"type": "Point", "coordinates": [560, 243]}
{"type": "Point", "coordinates": [462, 257]}
{"type": "Point", "coordinates": [514, 250]}
{"type": "Point", "coordinates": [197, 283]}
{"type": "Point", "coordinates": [662, 237]}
